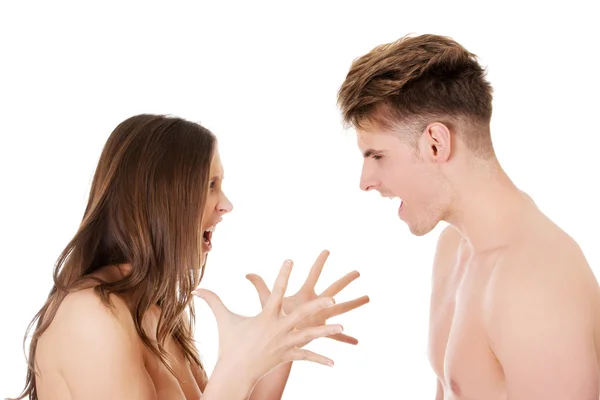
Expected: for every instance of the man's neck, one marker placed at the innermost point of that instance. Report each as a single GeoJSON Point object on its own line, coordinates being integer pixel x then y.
{"type": "Point", "coordinates": [487, 208]}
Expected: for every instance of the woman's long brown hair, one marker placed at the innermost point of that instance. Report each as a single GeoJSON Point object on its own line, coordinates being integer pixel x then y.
{"type": "Point", "coordinates": [145, 209]}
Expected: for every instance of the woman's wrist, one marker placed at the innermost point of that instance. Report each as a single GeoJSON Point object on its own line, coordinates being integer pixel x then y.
{"type": "Point", "coordinates": [229, 380]}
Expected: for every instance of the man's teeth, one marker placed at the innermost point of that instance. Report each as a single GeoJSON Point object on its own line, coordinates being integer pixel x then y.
{"type": "Point", "coordinates": [210, 229]}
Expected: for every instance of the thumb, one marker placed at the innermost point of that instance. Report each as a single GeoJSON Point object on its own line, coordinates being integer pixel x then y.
{"type": "Point", "coordinates": [261, 288]}
{"type": "Point", "coordinates": [214, 302]}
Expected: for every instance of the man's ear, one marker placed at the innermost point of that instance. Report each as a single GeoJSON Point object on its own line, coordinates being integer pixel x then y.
{"type": "Point", "coordinates": [435, 144]}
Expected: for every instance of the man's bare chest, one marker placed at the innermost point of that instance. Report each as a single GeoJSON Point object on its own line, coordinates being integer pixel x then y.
{"type": "Point", "coordinates": [458, 349]}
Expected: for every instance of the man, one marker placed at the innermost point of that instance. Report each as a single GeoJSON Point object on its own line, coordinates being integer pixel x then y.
{"type": "Point", "coordinates": [514, 305]}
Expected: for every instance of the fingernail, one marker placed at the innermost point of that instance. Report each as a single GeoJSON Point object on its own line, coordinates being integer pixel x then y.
{"type": "Point", "coordinates": [287, 263]}
{"type": "Point", "coordinates": [330, 363]}
{"type": "Point", "coordinates": [197, 293]}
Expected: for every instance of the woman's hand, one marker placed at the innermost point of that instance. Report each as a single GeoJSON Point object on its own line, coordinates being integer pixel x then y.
{"type": "Point", "coordinates": [250, 347]}
{"type": "Point", "coordinates": [307, 294]}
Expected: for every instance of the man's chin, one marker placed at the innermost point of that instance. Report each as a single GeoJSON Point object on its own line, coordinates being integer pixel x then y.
{"type": "Point", "coordinates": [421, 229]}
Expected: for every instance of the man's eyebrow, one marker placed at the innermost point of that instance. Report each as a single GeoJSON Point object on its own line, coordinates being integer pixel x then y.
{"type": "Point", "coordinates": [371, 152]}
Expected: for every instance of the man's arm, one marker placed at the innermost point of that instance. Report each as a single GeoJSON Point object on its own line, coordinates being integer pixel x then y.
{"type": "Point", "coordinates": [439, 393]}
{"type": "Point", "coordinates": [443, 266]}
{"type": "Point", "coordinates": [100, 355]}
{"type": "Point", "coordinates": [539, 325]}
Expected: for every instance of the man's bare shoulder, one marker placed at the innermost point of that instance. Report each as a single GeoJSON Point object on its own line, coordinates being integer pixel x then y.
{"type": "Point", "coordinates": [547, 272]}
{"type": "Point", "coordinates": [449, 239]}
{"type": "Point", "coordinates": [540, 311]}
{"type": "Point", "coordinates": [446, 251]}
{"type": "Point", "coordinates": [547, 256]}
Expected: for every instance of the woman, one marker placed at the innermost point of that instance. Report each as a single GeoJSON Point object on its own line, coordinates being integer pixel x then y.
{"type": "Point", "coordinates": [118, 323]}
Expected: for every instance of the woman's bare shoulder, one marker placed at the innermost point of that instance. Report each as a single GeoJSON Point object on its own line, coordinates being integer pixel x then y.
{"type": "Point", "coordinates": [85, 305]}
{"type": "Point", "coordinates": [96, 348]}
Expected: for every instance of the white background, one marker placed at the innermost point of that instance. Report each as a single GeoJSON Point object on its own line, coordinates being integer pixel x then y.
{"type": "Point", "coordinates": [263, 77]}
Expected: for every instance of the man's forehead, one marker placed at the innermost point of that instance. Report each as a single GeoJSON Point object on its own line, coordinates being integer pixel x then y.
{"type": "Point", "coordinates": [367, 140]}
{"type": "Point", "coordinates": [363, 139]}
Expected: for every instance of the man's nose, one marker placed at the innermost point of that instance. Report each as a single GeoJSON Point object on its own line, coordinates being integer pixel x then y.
{"type": "Point", "coordinates": [368, 181]}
